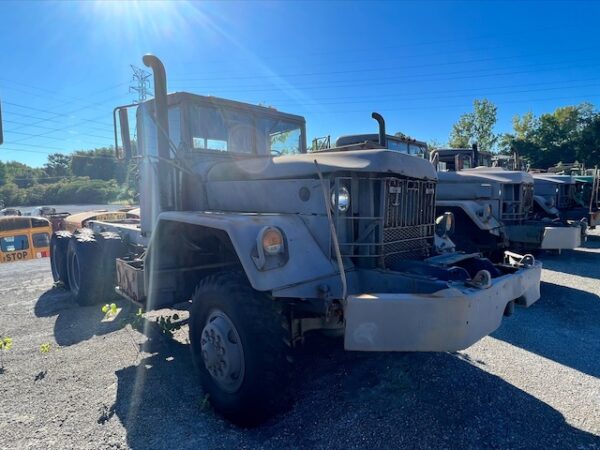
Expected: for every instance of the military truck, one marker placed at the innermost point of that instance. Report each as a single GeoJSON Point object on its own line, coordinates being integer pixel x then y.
{"type": "Point", "coordinates": [568, 197]}
{"type": "Point", "coordinates": [508, 196]}
{"type": "Point", "coordinates": [492, 207]}
{"type": "Point", "coordinates": [270, 242]}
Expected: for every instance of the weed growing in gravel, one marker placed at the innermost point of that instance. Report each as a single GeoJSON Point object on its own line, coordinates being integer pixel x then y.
{"type": "Point", "coordinates": [110, 310]}
{"type": "Point", "coordinates": [5, 345]}
{"type": "Point", "coordinates": [137, 320]}
{"type": "Point", "coordinates": [205, 402]}
{"type": "Point", "coordinates": [44, 350]}
{"type": "Point", "coordinates": [167, 324]}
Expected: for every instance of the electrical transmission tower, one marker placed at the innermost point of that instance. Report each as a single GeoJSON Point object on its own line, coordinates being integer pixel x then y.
{"type": "Point", "coordinates": [140, 83]}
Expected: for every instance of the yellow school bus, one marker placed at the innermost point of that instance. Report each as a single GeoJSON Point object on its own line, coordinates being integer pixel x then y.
{"type": "Point", "coordinates": [23, 238]}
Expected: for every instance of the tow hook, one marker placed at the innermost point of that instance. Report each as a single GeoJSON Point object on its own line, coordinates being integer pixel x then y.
{"type": "Point", "coordinates": [481, 280]}
{"type": "Point", "coordinates": [514, 259]}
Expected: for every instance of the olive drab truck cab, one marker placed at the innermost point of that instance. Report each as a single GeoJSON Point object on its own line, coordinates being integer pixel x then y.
{"type": "Point", "coordinates": [271, 242]}
{"type": "Point", "coordinates": [568, 197]}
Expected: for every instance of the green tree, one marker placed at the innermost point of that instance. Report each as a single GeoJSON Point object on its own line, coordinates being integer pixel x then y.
{"type": "Point", "coordinates": [98, 164]}
{"type": "Point", "coordinates": [11, 195]}
{"type": "Point", "coordinates": [568, 134]}
{"type": "Point", "coordinates": [476, 127]}
{"type": "Point", "coordinates": [524, 125]}
{"type": "Point", "coordinates": [3, 179]}
{"type": "Point", "coordinates": [58, 165]}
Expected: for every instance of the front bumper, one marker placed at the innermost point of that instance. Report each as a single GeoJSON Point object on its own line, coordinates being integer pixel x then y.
{"type": "Point", "coordinates": [561, 238]}
{"type": "Point", "coordinates": [448, 320]}
{"type": "Point", "coordinates": [545, 235]}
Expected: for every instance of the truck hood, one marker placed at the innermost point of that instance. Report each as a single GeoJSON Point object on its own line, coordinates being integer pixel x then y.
{"type": "Point", "coordinates": [485, 175]}
{"type": "Point", "coordinates": [303, 166]}
{"type": "Point", "coordinates": [558, 179]}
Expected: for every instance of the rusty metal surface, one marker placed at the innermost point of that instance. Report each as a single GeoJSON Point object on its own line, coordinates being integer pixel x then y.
{"type": "Point", "coordinates": [130, 278]}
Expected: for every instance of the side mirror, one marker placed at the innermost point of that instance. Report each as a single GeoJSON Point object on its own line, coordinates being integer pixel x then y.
{"type": "Point", "coordinates": [124, 152]}
{"type": "Point", "coordinates": [1, 131]}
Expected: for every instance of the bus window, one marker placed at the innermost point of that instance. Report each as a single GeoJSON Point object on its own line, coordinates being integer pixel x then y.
{"type": "Point", "coordinates": [14, 243]}
{"type": "Point", "coordinates": [40, 240]}
{"type": "Point", "coordinates": [38, 223]}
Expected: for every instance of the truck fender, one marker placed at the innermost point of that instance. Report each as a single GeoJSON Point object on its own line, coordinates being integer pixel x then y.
{"type": "Point", "coordinates": [472, 210]}
{"type": "Point", "coordinates": [304, 260]}
{"type": "Point", "coordinates": [541, 202]}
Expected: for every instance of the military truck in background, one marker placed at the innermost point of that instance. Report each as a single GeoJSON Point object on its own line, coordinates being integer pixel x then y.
{"type": "Point", "coordinates": [568, 197]}
{"type": "Point", "coordinates": [270, 242]}
{"type": "Point", "coordinates": [492, 207]}
{"type": "Point", "coordinates": [509, 197]}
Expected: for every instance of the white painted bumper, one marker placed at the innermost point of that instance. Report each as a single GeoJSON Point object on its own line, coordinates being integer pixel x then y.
{"type": "Point", "coordinates": [448, 320]}
{"type": "Point", "coordinates": [561, 238]}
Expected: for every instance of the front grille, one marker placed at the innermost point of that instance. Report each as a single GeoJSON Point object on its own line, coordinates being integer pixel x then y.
{"type": "Point", "coordinates": [391, 219]}
{"type": "Point", "coordinates": [409, 219]}
{"type": "Point", "coordinates": [566, 196]}
{"type": "Point", "coordinates": [517, 202]}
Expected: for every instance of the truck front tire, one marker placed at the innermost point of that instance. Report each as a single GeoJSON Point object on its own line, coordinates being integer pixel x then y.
{"type": "Point", "coordinates": [240, 346]}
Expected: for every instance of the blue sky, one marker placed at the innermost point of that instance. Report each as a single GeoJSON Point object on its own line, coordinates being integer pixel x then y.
{"type": "Point", "coordinates": [65, 65]}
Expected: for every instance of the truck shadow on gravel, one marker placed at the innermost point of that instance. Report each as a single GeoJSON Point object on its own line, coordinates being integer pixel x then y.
{"type": "Point", "coordinates": [564, 326]}
{"type": "Point", "coordinates": [73, 323]}
{"type": "Point", "coordinates": [344, 400]}
{"type": "Point", "coordinates": [575, 262]}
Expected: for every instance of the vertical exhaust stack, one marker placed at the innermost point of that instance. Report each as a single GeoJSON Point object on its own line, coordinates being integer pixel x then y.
{"type": "Point", "coordinates": [161, 114]}
{"type": "Point", "coordinates": [475, 155]}
{"type": "Point", "coordinates": [382, 136]}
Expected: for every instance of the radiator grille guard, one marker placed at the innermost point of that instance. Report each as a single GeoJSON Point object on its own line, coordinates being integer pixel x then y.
{"type": "Point", "coordinates": [399, 225]}
{"type": "Point", "coordinates": [566, 196]}
{"type": "Point", "coordinates": [517, 202]}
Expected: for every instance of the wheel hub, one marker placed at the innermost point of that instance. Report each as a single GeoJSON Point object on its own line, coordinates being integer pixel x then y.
{"type": "Point", "coordinates": [222, 352]}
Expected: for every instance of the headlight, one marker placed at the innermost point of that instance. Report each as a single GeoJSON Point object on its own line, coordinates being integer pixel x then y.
{"type": "Point", "coordinates": [444, 225]}
{"type": "Point", "coordinates": [341, 199]}
{"type": "Point", "coordinates": [272, 241]}
{"type": "Point", "coordinates": [449, 221]}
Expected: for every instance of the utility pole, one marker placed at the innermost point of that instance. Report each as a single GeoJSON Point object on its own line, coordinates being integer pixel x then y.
{"type": "Point", "coordinates": [140, 83]}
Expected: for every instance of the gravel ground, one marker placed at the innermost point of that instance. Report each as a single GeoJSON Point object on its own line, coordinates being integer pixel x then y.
{"type": "Point", "coordinates": [534, 384]}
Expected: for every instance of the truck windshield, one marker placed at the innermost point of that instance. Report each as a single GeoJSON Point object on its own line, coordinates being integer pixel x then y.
{"type": "Point", "coordinates": [405, 147]}
{"type": "Point", "coordinates": [243, 131]}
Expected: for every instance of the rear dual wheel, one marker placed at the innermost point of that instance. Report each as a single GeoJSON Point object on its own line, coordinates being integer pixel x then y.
{"type": "Point", "coordinates": [90, 266]}
{"type": "Point", "coordinates": [58, 256]}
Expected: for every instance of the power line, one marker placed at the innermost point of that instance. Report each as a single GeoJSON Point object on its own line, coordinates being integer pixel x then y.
{"type": "Point", "coordinates": [28, 116]}
{"type": "Point", "coordinates": [417, 78]}
{"type": "Point", "coordinates": [72, 155]}
{"type": "Point", "coordinates": [435, 95]}
{"type": "Point", "coordinates": [485, 90]}
{"type": "Point", "coordinates": [52, 137]}
{"type": "Point", "coordinates": [18, 105]}
{"type": "Point", "coordinates": [61, 98]}
{"type": "Point", "coordinates": [354, 50]}
{"type": "Point", "coordinates": [379, 68]}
